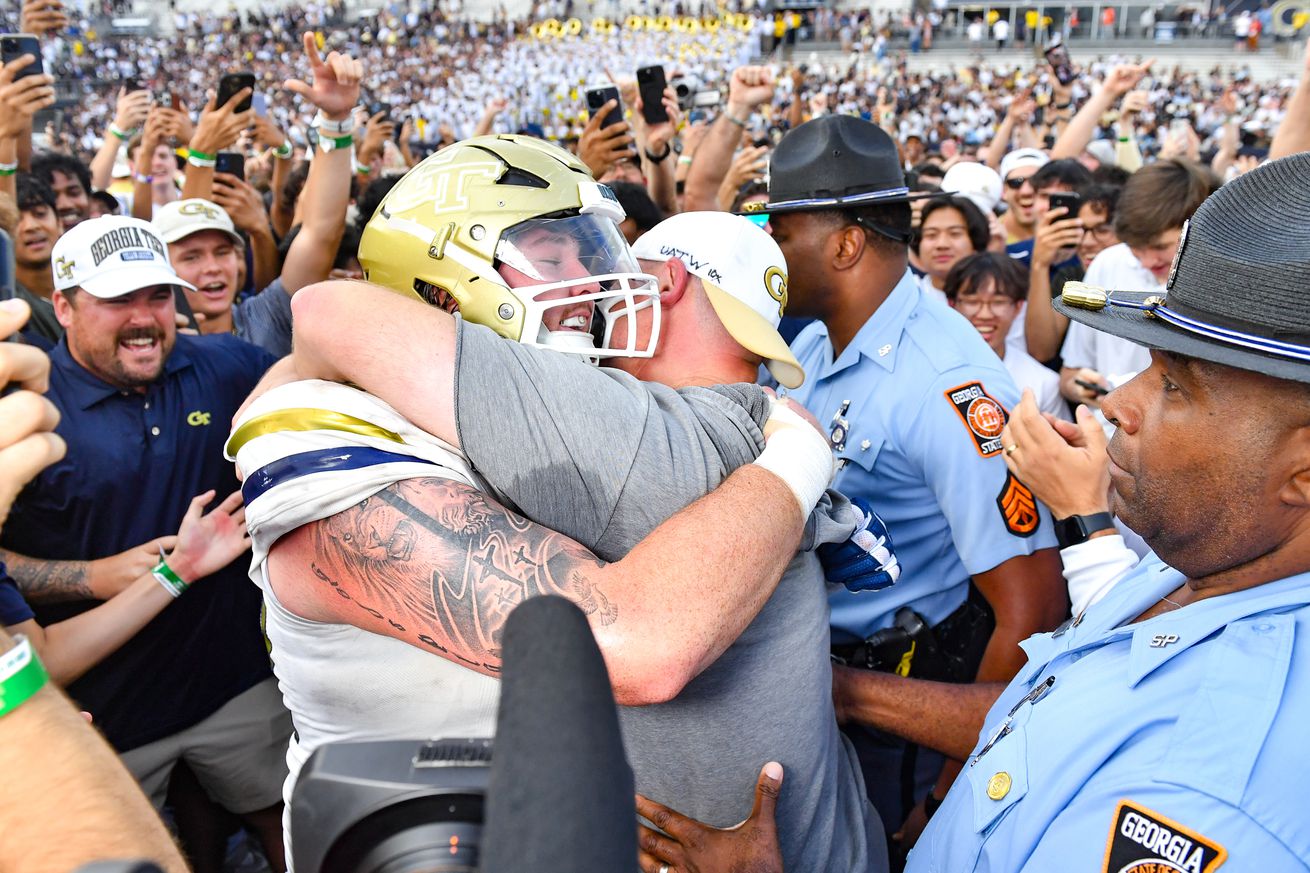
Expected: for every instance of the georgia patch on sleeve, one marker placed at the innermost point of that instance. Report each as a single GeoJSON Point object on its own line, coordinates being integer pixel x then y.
{"type": "Point", "coordinates": [981, 414]}
{"type": "Point", "coordinates": [1018, 507]}
{"type": "Point", "coordinates": [1143, 841]}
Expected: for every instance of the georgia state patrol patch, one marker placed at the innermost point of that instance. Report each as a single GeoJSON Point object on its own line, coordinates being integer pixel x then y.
{"type": "Point", "coordinates": [1018, 507]}
{"type": "Point", "coordinates": [1143, 841]}
{"type": "Point", "coordinates": [981, 414]}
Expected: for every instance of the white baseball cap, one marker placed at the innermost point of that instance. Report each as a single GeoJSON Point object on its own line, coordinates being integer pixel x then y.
{"type": "Point", "coordinates": [1022, 158]}
{"type": "Point", "coordinates": [744, 275]}
{"type": "Point", "coordinates": [178, 220]}
{"type": "Point", "coordinates": [979, 182]}
{"type": "Point", "coordinates": [111, 256]}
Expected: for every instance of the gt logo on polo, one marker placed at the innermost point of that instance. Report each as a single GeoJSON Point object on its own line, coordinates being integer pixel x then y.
{"type": "Point", "coordinates": [197, 418]}
{"type": "Point", "coordinates": [981, 414]}
{"type": "Point", "coordinates": [64, 267]}
{"type": "Point", "coordinates": [775, 282]}
{"type": "Point", "coordinates": [1143, 841]}
{"type": "Point", "coordinates": [194, 208]}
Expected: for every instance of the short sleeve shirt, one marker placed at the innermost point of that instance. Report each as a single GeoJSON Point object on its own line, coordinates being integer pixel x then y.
{"type": "Point", "coordinates": [265, 319]}
{"type": "Point", "coordinates": [1175, 743]}
{"type": "Point", "coordinates": [597, 455]}
{"type": "Point", "coordinates": [619, 423]}
{"type": "Point", "coordinates": [134, 462]}
{"type": "Point", "coordinates": [916, 403]}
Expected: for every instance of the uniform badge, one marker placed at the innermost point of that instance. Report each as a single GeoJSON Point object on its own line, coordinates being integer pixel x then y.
{"type": "Point", "coordinates": [981, 414]}
{"type": "Point", "coordinates": [1143, 841]}
{"type": "Point", "coordinates": [1018, 507]}
{"type": "Point", "coordinates": [841, 427]}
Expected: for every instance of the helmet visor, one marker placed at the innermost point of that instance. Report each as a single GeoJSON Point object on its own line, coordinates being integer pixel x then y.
{"type": "Point", "coordinates": [563, 270]}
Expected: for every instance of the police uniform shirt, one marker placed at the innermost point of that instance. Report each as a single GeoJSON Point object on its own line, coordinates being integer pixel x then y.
{"type": "Point", "coordinates": [921, 441]}
{"type": "Point", "coordinates": [134, 462]}
{"type": "Point", "coordinates": [1176, 743]}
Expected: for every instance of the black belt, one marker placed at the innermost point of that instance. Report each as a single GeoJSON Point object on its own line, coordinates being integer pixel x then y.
{"type": "Point", "coordinates": [949, 652]}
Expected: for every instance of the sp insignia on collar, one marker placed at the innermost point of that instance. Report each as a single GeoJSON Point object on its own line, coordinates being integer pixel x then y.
{"type": "Point", "coordinates": [1143, 841]}
{"type": "Point", "coordinates": [1018, 507]}
{"type": "Point", "coordinates": [981, 414]}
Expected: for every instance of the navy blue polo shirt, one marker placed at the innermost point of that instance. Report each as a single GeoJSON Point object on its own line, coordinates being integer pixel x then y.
{"type": "Point", "coordinates": [134, 462]}
{"type": "Point", "coordinates": [13, 608]}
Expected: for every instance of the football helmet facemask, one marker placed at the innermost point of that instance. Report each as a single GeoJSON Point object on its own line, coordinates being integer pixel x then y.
{"type": "Point", "coordinates": [514, 233]}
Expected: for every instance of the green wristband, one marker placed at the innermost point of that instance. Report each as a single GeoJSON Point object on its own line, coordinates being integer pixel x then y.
{"type": "Point", "coordinates": [21, 676]}
{"type": "Point", "coordinates": [172, 582]}
{"type": "Point", "coordinates": [192, 153]}
{"type": "Point", "coordinates": [332, 143]}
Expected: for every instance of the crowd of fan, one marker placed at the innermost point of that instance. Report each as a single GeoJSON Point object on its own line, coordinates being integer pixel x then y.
{"type": "Point", "coordinates": [143, 136]}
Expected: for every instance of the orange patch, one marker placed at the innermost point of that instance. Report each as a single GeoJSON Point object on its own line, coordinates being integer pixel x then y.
{"type": "Point", "coordinates": [1018, 507]}
{"type": "Point", "coordinates": [981, 414]}
{"type": "Point", "coordinates": [1143, 841]}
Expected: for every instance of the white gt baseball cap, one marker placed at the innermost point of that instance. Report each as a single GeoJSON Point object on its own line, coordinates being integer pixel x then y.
{"type": "Point", "coordinates": [178, 220]}
{"type": "Point", "coordinates": [744, 275]}
{"type": "Point", "coordinates": [111, 256]}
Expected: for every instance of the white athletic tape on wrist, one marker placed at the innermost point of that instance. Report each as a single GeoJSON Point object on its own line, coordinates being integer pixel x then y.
{"type": "Point", "coordinates": [798, 455]}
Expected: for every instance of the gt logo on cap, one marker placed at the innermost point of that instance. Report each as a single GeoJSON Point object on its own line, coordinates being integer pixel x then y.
{"type": "Point", "coordinates": [194, 208]}
{"type": "Point", "coordinates": [64, 268]}
{"type": "Point", "coordinates": [775, 282]}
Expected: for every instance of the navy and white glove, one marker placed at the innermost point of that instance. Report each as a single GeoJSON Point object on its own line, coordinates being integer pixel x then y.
{"type": "Point", "coordinates": [866, 561]}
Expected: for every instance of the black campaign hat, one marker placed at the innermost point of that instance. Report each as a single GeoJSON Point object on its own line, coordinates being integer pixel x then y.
{"type": "Point", "coordinates": [1239, 289]}
{"type": "Point", "coordinates": [833, 162]}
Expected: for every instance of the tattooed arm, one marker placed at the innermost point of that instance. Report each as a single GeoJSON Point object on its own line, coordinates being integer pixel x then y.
{"type": "Point", "coordinates": [52, 581]}
{"type": "Point", "coordinates": [439, 565]}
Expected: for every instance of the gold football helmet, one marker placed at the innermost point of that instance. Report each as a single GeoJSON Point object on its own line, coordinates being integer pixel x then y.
{"type": "Point", "coordinates": [515, 234]}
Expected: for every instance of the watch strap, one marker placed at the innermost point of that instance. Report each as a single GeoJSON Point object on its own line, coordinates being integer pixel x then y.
{"type": "Point", "coordinates": [1079, 528]}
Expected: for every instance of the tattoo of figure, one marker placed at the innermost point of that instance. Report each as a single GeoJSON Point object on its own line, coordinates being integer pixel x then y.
{"type": "Point", "coordinates": [43, 581]}
{"type": "Point", "coordinates": [441, 565]}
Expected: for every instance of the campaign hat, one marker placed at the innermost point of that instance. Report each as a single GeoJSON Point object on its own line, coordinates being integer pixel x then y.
{"type": "Point", "coordinates": [834, 162]}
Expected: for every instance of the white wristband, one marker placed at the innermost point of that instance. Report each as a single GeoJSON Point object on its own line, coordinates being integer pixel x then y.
{"type": "Point", "coordinates": [334, 128]}
{"type": "Point", "coordinates": [798, 455]}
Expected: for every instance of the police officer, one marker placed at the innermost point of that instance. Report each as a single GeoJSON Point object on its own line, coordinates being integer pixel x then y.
{"type": "Point", "coordinates": [1163, 728]}
{"type": "Point", "coordinates": [915, 401]}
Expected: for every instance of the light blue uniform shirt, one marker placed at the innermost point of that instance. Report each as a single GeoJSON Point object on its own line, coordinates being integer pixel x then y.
{"type": "Point", "coordinates": [922, 445]}
{"type": "Point", "coordinates": [1179, 739]}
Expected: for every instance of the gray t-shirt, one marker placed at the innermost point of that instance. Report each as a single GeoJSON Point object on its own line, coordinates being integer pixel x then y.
{"type": "Point", "coordinates": [604, 458]}
{"type": "Point", "coordinates": [265, 319]}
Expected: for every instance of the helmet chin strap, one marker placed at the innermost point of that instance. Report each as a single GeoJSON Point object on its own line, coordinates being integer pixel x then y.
{"type": "Point", "coordinates": [568, 341]}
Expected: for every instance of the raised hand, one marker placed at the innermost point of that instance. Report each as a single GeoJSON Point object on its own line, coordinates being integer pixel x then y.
{"type": "Point", "coordinates": [601, 148]}
{"type": "Point", "coordinates": [1064, 463]}
{"type": "Point", "coordinates": [750, 87]}
{"type": "Point", "coordinates": [335, 88]}
{"type": "Point", "coordinates": [241, 201]}
{"type": "Point", "coordinates": [220, 126]}
{"type": "Point", "coordinates": [131, 109]}
{"type": "Point", "coordinates": [207, 543]}
{"type": "Point", "coordinates": [20, 100]}
{"type": "Point", "coordinates": [42, 16]}
{"type": "Point", "coordinates": [28, 443]}
{"type": "Point", "coordinates": [1125, 77]}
